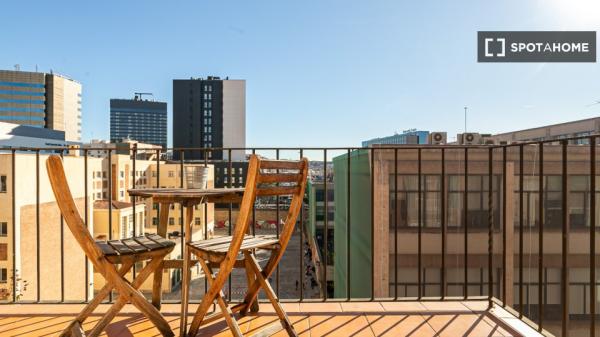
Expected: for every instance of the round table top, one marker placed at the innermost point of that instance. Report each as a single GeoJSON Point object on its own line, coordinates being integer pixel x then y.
{"type": "Point", "coordinates": [185, 193]}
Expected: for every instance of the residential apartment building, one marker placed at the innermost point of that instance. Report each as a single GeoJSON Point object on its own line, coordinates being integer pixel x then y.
{"type": "Point", "coordinates": [101, 148]}
{"type": "Point", "coordinates": [41, 100]}
{"type": "Point", "coordinates": [209, 113]}
{"type": "Point", "coordinates": [40, 232]}
{"type": "Point", "coordinates": [140, 120]}
{"type": "Point", "coordinates": [411, 136]}
{"type": "Point", "coordinates": [559, 131]}
{"type": "Point", "coordinates": [394, 190]}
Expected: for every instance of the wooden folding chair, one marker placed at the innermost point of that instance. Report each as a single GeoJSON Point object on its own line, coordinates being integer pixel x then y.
{"type": "Point", "coordinates": [105, 256]}
{"type": "Point", "coordinates": [265, 178]}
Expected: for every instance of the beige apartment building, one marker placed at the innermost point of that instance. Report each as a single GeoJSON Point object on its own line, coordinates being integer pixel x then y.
{"type": "Point", "coordinates": [50, 236]}
{"type": "Point", "coordinates": [54, 236]}
{"type": "Point", "coordinates": [395, 251]}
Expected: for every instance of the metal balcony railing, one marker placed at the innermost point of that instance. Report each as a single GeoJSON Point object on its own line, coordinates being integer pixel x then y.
{"type": "Point", "coordinates": [419, 218]}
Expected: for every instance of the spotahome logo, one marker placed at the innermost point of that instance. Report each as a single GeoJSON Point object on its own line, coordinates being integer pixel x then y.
{"type": "Point", "coordinates": [536, 46]}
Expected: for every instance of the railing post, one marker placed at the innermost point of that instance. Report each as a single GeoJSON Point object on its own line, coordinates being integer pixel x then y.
{"type": "Point", "coordinates": [419, 225]}
{"type": "Point", "coordinates": [466, 224]}
{"type": "Point", "coordinates": [593, 236]}
{"type": "Point", "coordinates": [348, 215]}
{"type": "Point", "coordinates": [14, 224]}
{"type": "Point", "coordinates": [396, 223]}
{"type": "Point", "coordinates": [565, 242]}
{"type": "Point", "coordinates": [325, 224]}
{"type": "Point", "coordinates": [541, 238]}
{"type": "Point", "coordinates": [443, 224]}
{"type": "Point", "coordinates": [509, 231]}
{"type": "Point", "coordinates": [490, 225]}
{"type": "Point", "coordinates": [521, 218]}
{"type": "Point", "coordinates": [37, 223]}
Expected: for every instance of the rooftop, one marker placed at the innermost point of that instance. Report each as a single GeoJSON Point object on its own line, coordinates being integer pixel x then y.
{"type": "Point", "coordinates": [103, 204]}
{"type": "Point", "coordinates": [450, 318]}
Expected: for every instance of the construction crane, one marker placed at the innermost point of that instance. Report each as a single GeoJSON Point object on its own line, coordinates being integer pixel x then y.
{"type": "Point", "coordinates": [139, 95]}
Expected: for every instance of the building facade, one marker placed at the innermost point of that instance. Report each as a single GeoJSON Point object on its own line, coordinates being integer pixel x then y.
{"type": "Point", "coordinates": [559, 131]}
{"type": "Point", "coordinates": [209, 113]}
{"type": "Point", "coordinates": [15, 135]}
{"type": "Point", "coordinates": [141, 120]}
{"type": "Point", "coordinates": [24, 222]}
{"type": "Point", "coordinates": [41, 100]}
{"type": "Point", "coordinates": [407, 137]}
{"type": "Point", "coordinates": [392, 223]}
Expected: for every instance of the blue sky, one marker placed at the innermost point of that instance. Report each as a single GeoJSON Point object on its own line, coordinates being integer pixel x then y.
{"type": "Point", "coordinates": [319, 73]}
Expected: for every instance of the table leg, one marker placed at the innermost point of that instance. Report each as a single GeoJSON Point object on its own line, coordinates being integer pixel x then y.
{"type": "Point", "coordinates": [185, 283]}
{"type": "Point", "coordinates": [163, 223]}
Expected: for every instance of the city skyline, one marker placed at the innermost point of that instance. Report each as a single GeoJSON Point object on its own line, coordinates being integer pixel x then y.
{"type": "Point", "coordinates": [317, 64]}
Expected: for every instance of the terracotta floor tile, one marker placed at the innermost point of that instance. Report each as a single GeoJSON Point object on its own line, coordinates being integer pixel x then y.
{"type": "Point", "coordinates": [309, 307]}
{"type": "Point", "coordinates": [451, 325]}
{"type": "Point", "coordinates": [399, 325]}
{"type": "Point", "coordinates": [440, 306]}
{"type": "Point", "coordinates": [403, 306]}
{"type": "Point", "coordinates": [346, 319]}
{"type": "Point", "coordinates": [339, 325]}
{"type": "Point", "coordinates": [287, 307]}
{"type": "Point", "coordinates": [361, 307]}
{"type": "Point", "coordinates": [479, 306]}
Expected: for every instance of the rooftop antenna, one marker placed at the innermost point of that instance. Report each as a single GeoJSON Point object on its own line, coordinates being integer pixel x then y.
{"type": "Point", "coordinates": [141, 94]}
{"type": "Point", "coordinates": [466, 119]}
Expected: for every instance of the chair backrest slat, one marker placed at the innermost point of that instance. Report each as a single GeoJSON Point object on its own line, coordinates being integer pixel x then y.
{"type": "Point", "coordinates": [64, 199]}
{"type": "Point", "coordinates": [277, 190]}
{"type": "Point", "coordinates": [269, 178]}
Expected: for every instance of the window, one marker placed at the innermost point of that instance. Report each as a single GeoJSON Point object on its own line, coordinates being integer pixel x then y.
{"type": "Point", "coordinates": [2, 184]}
{"type": "Point", "coordinates": [123, 227]}
{"type": "Point", "coordinates": [154, 221]}
{"type": "Point", "coordinates": [98, 195]}
{"type": "Point", "coordinates": [154, 206]}
{"type": "Point", "coordinates": [197, 221]}
{"type": "Point", "coordinates": [171, 174]}
{"type": "Point", "coordinates": [122, 194]}
{"type": "Point", "coordinates": [3, 229]}
{"type": "Point", "coordinates": [122, 174]}
{"type": "Point", "coordinates": [171, 221]}
{"type": "Point", "coordinates": [3, 275]}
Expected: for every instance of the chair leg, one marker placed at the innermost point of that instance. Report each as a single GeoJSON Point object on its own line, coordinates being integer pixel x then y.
{"type": "Point", "coordinates": [203, 308]}
{"type": "Point", "coordinates": [89, 308]}
{"type": "Point", "coordinates": [252, 307]}
{"type": "Point", "coordinates": [285, 321]}
{"type": "Point", "coordinates": [129, 291]}
{"type": "Point", "coordinates": [255, 286]}
{"type": "Point", "coordinates": [157, 287]}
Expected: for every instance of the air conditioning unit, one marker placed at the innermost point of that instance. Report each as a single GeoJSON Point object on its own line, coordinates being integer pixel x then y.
{"type": "Point", "coordinates": [468, 138]}
{"type": "Point", "coordinates": [437, 138]}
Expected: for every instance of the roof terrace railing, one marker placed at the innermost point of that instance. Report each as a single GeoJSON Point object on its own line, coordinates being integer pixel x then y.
{"type": "Point", "coordinates": [457, 199]}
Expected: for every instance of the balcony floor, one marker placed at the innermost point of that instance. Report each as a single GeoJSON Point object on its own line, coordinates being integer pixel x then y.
{"type": "Point", "coordinates": [449, 318]}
